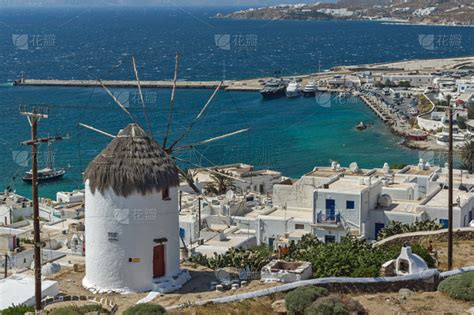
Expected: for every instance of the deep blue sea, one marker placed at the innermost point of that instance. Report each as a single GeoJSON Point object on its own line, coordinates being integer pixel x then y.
{"type": "Point", "coordinates": [287, 135]}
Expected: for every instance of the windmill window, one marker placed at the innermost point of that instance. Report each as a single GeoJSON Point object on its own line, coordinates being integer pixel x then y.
{"type": "Point", "coordinates": [165, 194]}
{"type": "Point", "coordinates": [113, 236]}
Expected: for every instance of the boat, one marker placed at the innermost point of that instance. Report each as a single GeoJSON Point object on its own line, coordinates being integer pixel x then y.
{"type": "Point", "coordinates": [48, 173]}
{"type": "Point", "coordinates": [310, 89]}
{"type": "Point", "coordinates": [293, 89]}
{"type": "Point", "coordinates": [361, 126]}
{"type": "Point", "coordinates": [273, 88]}
{"type": "Point", "coordinates": [344, 95]}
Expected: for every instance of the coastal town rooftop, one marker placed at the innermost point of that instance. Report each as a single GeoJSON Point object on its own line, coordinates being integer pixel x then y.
{"type": "Point", "coordinates": [351, 185]}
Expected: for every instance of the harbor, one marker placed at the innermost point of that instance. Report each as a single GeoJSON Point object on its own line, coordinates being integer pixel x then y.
{"type": "Point", "coordinates": [163, 161]}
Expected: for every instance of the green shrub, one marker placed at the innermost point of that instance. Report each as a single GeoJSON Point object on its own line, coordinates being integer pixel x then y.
{"type": "Point", "coordinates": [79, 310]}
{"type": "Point", "coordinates": [298, 300]}
{"type": "Point", "coordinates": [145, 309]}
{"type": "Point", "coordinates": [396, 227]}
{"type": "Point", "coordinates": [459, 286]}
{"type": "Point", "coordinates": [254, 258]}
{"type": "Point", "coordinates": [329, 305]}
{"type": "Point", "coordinates": [337, 305]}
{"type": "Point", "coordinates": [18, 310]}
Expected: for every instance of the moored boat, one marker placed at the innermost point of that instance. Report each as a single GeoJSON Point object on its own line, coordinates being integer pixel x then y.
{"type": "Point", "coordinates": [48, 173]}
{"type": "Point", "coordinates": [310, 89]}
{"type": "Point", "coordinates": [273, 88]}
{"type": "Point", "coordinates": [361, 126]}
{"type": "Point", "coordinates": [293, 89]}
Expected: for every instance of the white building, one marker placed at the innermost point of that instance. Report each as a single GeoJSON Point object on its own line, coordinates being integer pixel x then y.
{"type": "Point", "coordinates": [349, 81]}
{"type": "Point", "coordinates": [244, 177]}
{"type": "Point", "coordinates": [131, 217]}
{"type": "Point", "coordinates": [68, 197]}
{"type": "Point", "coordinates": [415, 80]}
{"type": "Point", "coordinates": [465, 86]}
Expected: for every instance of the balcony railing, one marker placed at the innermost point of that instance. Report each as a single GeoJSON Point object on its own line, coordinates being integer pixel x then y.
{"type": "Point", "coordinates": [328, 218]}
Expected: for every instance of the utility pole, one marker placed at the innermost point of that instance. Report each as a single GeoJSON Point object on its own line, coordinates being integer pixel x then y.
{"type": "Point", "coordinates": [6, 265]}
{"type": "Point", "coordinates": [34, 115]}
{"type": "Point", "coordinates": [450, 185]}
{"type": "Point", "coordinates": [450, 181]}
{"type": "Point", "coordinates": [199, 214]}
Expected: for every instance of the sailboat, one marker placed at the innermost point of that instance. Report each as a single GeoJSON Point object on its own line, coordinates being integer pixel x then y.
{"type": "Point", "coordinates": [48, 173]}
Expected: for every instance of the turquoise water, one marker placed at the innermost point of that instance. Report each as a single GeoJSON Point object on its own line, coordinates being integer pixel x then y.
{"type": "Point", "coordinates": [287, 135]}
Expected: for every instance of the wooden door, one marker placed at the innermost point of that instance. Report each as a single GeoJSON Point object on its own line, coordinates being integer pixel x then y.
{"type": "Point", "coordinates": [159, 261]}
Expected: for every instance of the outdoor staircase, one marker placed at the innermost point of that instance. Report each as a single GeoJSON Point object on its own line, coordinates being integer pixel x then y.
{"type": "Point", "coordinates": [170, 284]}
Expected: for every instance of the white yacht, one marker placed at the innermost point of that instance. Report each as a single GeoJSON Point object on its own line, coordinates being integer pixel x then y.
{"type": "Point", "coordinates": [310, 88]}
{"type": "Point", "coordinates": [293, 89]}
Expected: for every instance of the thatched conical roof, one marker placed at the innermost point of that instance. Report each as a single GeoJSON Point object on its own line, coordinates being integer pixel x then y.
{"type": "Point", "coordinates": [132, 162]}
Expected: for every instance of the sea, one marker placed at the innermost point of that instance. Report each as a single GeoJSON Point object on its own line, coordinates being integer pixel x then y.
{"type": "Point", "coordinates": [291, 136]}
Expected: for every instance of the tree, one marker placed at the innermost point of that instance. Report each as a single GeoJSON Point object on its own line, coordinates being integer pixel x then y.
{"type": "Point", "coordinates": [461, 121]}
{"type": "Point", "coordinates": [220, 184]}
{"type": "Point", "coordinates": [470, 112]}
{"type": "Point", "coordinates": [467, 156]}
{"type": "Point", "coordinates": [388, 83]}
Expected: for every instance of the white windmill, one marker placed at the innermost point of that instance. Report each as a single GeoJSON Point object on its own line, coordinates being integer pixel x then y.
{"type": "Point", "coordinates": [131, 205]}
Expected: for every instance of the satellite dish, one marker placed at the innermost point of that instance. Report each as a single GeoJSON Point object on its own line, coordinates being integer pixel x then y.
{"type": "Point", "coordinates": [230, 194]}
{"type": "Point", "coordinates": [354, 167]}
{"type": "Point", "coordinates": [384, 201]}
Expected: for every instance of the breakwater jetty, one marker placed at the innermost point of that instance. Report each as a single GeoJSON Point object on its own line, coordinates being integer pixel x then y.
{"type": "Point", "coordinates": [119, 83]}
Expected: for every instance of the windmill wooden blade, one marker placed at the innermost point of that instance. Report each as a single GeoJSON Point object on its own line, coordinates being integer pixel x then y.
{"type": "Point", "coordinates": [145, 112]}
{"type": "Point", "coordinates": [211, 170]}
{"type": "Point", "coordinates": [190, 181]}
{"type": "Point", "coordinates": [173, 93]}
{"type": "Point", "coordinates": [209, 101]}
{"type": "Point", "coordinates": [96, 130]}
{"type": "Point", "coordinates": [187, 146]}
{"type": "Point", "coordinates": [117, 101]}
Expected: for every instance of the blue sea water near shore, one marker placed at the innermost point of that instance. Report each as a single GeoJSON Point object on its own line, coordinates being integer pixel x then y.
{"type": "Point", "coordinates": [287, 135]}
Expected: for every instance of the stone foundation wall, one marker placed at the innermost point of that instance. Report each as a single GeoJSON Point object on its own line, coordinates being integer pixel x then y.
{"type": "Point", "coordinates": [423, 238]}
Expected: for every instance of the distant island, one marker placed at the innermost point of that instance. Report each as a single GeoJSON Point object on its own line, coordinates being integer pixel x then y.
{"type": "Point", "coordinates": [439, 12]}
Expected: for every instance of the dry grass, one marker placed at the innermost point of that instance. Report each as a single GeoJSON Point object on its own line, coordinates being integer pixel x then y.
{"type": "Point", "coordinates": [463, 254]}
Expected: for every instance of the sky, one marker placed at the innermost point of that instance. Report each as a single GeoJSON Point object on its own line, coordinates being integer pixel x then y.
{"type": "Point", "coordinates": [221, 3]}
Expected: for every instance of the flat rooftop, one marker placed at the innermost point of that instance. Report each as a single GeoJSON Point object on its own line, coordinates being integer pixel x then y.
{"type": "Point", "coordinates": [348, 185]}
{"type": "Point", "coordinates": [441, 198]}
{"type": "Point", "coordinates": [298, 214]}
{"type": "Point", "coordinates": [403, 207]}
{"type": "Point", "coordinates": [21, 290]}
{"type": "Point", "coordinates": [415, 170]}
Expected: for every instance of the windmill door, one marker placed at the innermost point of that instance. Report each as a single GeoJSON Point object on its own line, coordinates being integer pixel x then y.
{"type": "Point", "coordinates": [159, 261]}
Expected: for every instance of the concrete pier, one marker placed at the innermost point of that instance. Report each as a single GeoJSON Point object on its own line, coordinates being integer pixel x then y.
{"type": "Point", "coordinates": [121, 83]}
{"type": "Point", "coordinates": [378, 111]}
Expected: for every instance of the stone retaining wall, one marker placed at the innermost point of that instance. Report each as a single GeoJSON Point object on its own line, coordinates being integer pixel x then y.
{"type": "Point", "coordinates": [424, 237]}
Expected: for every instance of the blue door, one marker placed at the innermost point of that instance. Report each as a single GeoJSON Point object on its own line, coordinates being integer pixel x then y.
{"type": "Point", "coordinates": [378, 227]}
{"type": "Point", "coordinates": [444, 223]}
{"type": "Point", "coordinates": [330, 209]}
